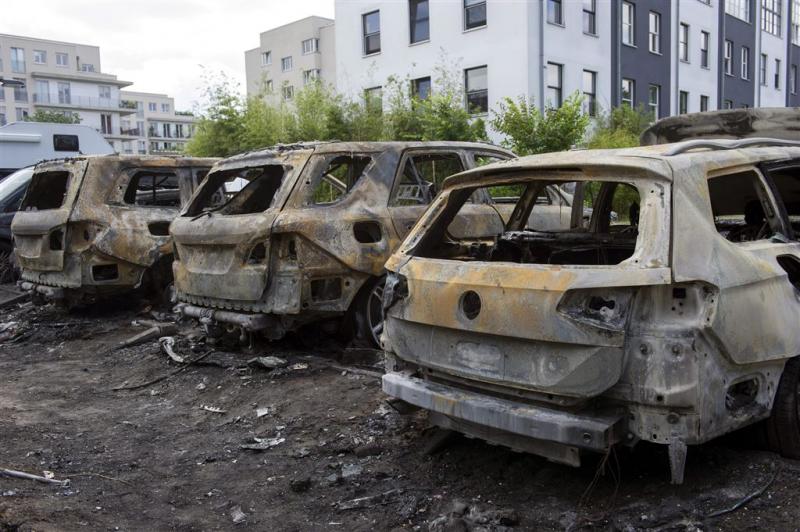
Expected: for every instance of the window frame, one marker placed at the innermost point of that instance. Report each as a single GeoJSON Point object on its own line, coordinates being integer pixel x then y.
{"type": "Point", "coordinates": [683, 42]}
{"type": "Point", "coordinates": [655, 107]}
{"type": "Point", "coordinates": [266, 58]}
{"type": "Point", "coordinates": [739, 9]}
{"type": "Point", "coordinates": [704, 101]}
{"type": "Point", "coordinates": [288, 60]}
{"type": "Point", "coordinates": [365, 35]}
{"type": "Point", "coordinates": [314, 46]}
{"type": "Point", "coordinates": [468, 92]}
{"type": "Point", "coordinates": [415, 86]}
{"type": "Point", "coordinates": [762, 70]}
{"type": "Point", "coordinates": [771, 16]}
{"type": "Point", "coordinates": [555, 12]}
{"type": "Point", "coordinates": [470, 5]}
{"type": "Point", "coordinates": [415, 152]}
{"type": "Point", "coordinates": [43, 57]}
{"type": "Point", "coordinates": [590, 98]}
{"type": "Point", "coordinates": [413, 9]}
{"type": "Point", "coordinates": [683, 102]}
{"type": "Point", "coordinates": [654, 35]}
{"type": "Point", "coordinates": [727, 58]}
{"type": "Point", "coordinates": [705, 39]}
{"type": "Point", "coordinates": [744, 63]}
{"type": "Point", "coordinates": [630, 101]}
{"type": "Point", "coordinates": [558, 88]}
{"type": "Point", "coordinates": [64, 55]}
{"type": "Point", "coordinates": [777, 75]}
{"type": "Point", "coordinates": [628, 29]}
{"type": "Point", "coordinates": [590, 17]}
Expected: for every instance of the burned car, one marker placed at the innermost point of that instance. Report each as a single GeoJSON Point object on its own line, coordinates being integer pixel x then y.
{"type": "Point", "coordinates": [295, 235]}
{"type": "Point", "coordinates": [673, 323]}
{"type": "Point", "coordinates": [98, 225]}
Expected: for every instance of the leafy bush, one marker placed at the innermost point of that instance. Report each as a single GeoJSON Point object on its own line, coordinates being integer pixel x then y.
{"type": "Point", "coordinates": [54, 117]}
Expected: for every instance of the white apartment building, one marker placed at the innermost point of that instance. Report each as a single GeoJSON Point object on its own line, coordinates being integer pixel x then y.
{"type": "Point", "coordinates": [62, 77]}
{"type": "Point", "coordinates": [291, 56]}
{"type": "Point", "coordinates": [66, 77]}
{"type": "Point", "coordinates": [159, 128]}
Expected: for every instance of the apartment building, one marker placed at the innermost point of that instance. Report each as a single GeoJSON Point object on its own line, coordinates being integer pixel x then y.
{"type": "Point", "coordinates": [289, 57]}
{"type": "Point", "coordinates": [157, 125]}
{"type": "Point", "coordinates": [670, 56]}
{"type": "Point", "coordinates": [66, 77]}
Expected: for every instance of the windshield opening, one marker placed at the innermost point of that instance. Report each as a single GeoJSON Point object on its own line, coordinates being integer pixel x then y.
{"type": "Point", "coordinates": [239, 191]}
{"type": "Point", "coordinates": [543, 222]}
{"type": "Point", "coordinates": [13, 182]}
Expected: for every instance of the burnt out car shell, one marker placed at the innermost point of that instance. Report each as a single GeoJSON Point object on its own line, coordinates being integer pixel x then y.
{"type": "Point", "coordinates": [89, 239]}
{"type": "Point", "coordinates": [559, 358]}
{"type": "Point", "coordinates": [317, 257]}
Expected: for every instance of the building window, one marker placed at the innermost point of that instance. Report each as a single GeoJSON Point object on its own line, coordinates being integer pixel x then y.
{"type": "Point", "coordinates": [40, 57]}
{"type": "Point", "coordinates": [627, 24]}
{"type": "Point", "coordinates": [728, 59]}
{"type": "Point", "coordinates": [683, 102]}
{"type": "Point", "coordinates": [310, 76]}
{"type": "Point", "coordinates": [704, 38]}
{"type": "Point", "coordinates": [166, 131]}
{"type": "Point", "coordinates": [62, 59]}
{"type": "Point", "coordinates": [476, 84]}
{"type": "Point", "coordinates": [2, 94]}
{"type": "Point", "coordinates": [104, 91]}
{"type": "Point", "coordinates": [474, 14]}
{"type": "Point", "coordinates": [628, 92]}
{"type": "Point", "coordinates": [655, 33]}
{"type": "Point", "coordinates": [793, 80]}
{"type": "Point", "coordinates": [18, 60]}
{"type": "Point", "coordinates": [745, 63]}
{"type": "Point", "coordinates": [20, 91]}
{"type": "Point", "coordinates": [683, 42]}
{"type": "Point", "coordinates": [268, 85]}
{"type": "Point", "coordinates": [287, 64]}
{"type": "Point", "coordinates": [762, 70]}
{"type": "Point", "coordinates": [419, 20]}
{"type": "Point", "coordinates": [64, 93]}
{"type": "Point", "coordinates": [653, 100]}
{"type": "Point", "coordinates": [728, 104]}
{"type": "Point", "coordinates": [421, 88]}
{"type": "Point", "coordinates": [371, 26]}
{"type": "Point", "coordinates": [555, 12]}
{"type": "Point", "coordinates": [796, 22]}
{"type": "Point", "coordinates": [778, 74]}
{"type": "Point", "coordinates": [590, 92]}
{"type": "Point", "coordinates": [288, 92]}
{"type": "Point", "coordinates": [738, 8]}
{"type": "Point", "coordinates": [373, 99]}
{"type": "Point", "coordinates": [165, 108]}
{"type": "Point", "coordinates": [590, 17]}
{"type": "Point", "coordinates": [2, 116]}
{"type": "Point", "coordinates": [310, 46]}
{"type": "Point", "coordinates": [771, 16]}
{"type": "Point", "coordinates": [266, 58]}
{"type": "Point", "coordinates": [105, 124]}
{"type": "Point", "coordinates": [152, 107]}
{"type": "Point", "coordinates": [555, 79]}
{"type": "Point", "coordinates": [703, 103]}
{"type": "Point", "coordinates": [42, 93]}
{"type": "Point", "coordinates": [22, 114]}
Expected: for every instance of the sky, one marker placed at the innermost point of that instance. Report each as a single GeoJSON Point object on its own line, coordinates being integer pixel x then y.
{"type": "Point", "coordinates": [164, 46]}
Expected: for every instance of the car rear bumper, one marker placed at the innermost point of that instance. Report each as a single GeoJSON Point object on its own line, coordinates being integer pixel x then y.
{"type": "Point", "coordinates": [594, 431]}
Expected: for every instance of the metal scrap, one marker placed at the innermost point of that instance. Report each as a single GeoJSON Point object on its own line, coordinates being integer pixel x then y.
{"type": "Point", "coordinates": [167, 344]}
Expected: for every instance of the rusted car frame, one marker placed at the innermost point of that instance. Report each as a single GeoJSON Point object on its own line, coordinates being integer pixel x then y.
{"type": "Point", "coordinates": [673, 324]}
{"type": "Point", "coordinates": [305, 241]}
{"type": "Point", "coordinates": [93, 226]}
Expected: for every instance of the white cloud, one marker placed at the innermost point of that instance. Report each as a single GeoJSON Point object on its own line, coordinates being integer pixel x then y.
{"type": "Point", "coordinates": [161, 45]}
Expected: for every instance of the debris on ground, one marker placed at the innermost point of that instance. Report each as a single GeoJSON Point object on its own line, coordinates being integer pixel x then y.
{"type": "Point", "coordinates": [262, 444]}
{"type": "Point", "coordinates": [46, 479]}
{"type": "Point", "coordinates": [237, 515]}
{"type": "Point", "coordinates": [156, 331]}
{"type": "Point", "coordinates": [214, 409]}
{"type": "Point", "coordinates": [167, 344]}
{"type": "Point", "coordinates": [368, 502]}
{"type": "Point", "coordinates": [268, 362]}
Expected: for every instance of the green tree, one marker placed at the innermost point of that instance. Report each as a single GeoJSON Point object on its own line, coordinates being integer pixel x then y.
{"type": "Point", "coordinates": [219, 131]}
{"type": "Point", "coordinates": [54, 117]}
{"type": "Point", "coordinates": [528, 131]}
{"type": "Point", "coordinates": [620, 127]}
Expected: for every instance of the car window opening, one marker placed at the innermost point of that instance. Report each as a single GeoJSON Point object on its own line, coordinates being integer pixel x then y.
{"type": "Point", "coordinates": [788, 187]}
{"type": "Point", "coordinates": [339, 177]}
{"type": "Point", "coordinates": [422, 177]}
{"type": "Point", "coordinates": [153, 189]}
{"type": "Point", "coordinates": [742, 211]}
{"type": "Point", "coordinates": [239, 191]}
{"type": "Point", "coordinates": [46, 191]}
{"type": "Point", "coordinates": [540, 222]}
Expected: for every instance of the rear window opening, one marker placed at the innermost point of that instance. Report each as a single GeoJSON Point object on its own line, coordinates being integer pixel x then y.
{"type": "Point", "coordinates": [46, 191]}
{"type": "Point", "coordinates": [741, 208]}
{"type": "Point", "coordinates": [240, 191]}
{"type": "Point", "coordinates": [538, 222]}
{"type": "Point", "coordinates": [339, 177]}
{"type": "Point", "coordinates": [153, 189]}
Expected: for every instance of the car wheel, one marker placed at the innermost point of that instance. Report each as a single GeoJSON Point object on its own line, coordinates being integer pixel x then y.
{"type": "Point", "coordinates": [783, 426]}
{"type": "Point", "coordinates": [369, 313]}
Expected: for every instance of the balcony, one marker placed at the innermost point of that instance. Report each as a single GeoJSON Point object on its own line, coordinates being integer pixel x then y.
{"type": "Point", "coordinates": [133, 132]}
{"type": "Point", "coordinates": [81, 102]}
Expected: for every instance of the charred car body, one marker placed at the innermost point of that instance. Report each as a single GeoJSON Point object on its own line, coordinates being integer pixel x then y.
{"type": "Point", "coordinates": [673, 323]}
{"type": "Point", "coordinates": [280, 238]}
{"type": "Point", "coordinates": [97, 225]}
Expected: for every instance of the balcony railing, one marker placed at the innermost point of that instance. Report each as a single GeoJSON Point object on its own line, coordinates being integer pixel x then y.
{"type": "Point", "coordinates": [81, 101]}
{"type": "Point", "coordinates": [134, 132]}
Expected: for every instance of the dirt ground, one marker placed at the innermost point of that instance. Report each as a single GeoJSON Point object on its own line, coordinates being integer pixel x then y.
{"type": "Point", "coordinates": [334, 455]}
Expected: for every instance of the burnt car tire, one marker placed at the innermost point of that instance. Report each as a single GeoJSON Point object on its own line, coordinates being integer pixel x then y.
{"type": "Point", "coordinates": [369, 313]}
{"type": "Point", "coordinates": [783, 427]}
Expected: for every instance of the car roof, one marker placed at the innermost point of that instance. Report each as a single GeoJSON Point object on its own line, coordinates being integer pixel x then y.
{"type": "Point", "coordinates": [354, 146]}
{"type": "Point", "coordinates": [654, 161]}
{"type": "Point", "coordinates": [149, 160]}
